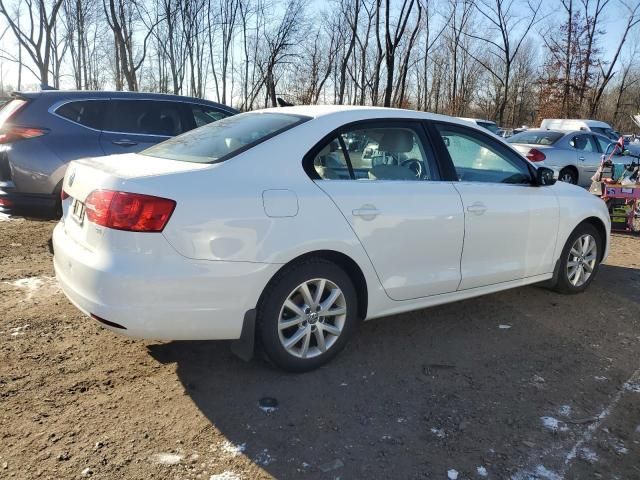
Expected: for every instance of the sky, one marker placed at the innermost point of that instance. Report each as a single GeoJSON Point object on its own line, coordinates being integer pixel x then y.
{"type": "Point", "coordinates": [608, 43]}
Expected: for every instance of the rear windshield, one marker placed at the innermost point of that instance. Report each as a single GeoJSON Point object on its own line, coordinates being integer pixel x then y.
{"type": "Point", "coordinates": [221, 140]}
{"type": "Point", "coordinates": [492, 127]}
{"type": "Point", "coordinates": [536, 138]}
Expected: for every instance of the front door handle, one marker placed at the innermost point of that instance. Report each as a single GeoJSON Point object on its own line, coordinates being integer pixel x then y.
{"type": "Point", "coordinates": [581, 158]}
{"type": "Point", "coordinates": [124, 142]}
{"type": "Point", "coordinates": [366, 212]}
{"type": "Point", "coordinates": [477, 208]}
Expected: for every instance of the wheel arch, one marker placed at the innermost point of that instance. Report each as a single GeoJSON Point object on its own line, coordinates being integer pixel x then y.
{"type": "Point", "coordinates": [348, 264]}
{"type": "Point", "coordinates": [573, 168]}
{"type": "Point", "coordinates": [600, 227]}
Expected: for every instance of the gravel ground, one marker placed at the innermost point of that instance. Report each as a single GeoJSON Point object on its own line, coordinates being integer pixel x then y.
{"type": "Point", "coordinates": [525, 384]}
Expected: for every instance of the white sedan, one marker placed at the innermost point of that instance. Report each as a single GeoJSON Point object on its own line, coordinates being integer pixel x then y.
{"type": "Point", "coordinates": [265, 225]}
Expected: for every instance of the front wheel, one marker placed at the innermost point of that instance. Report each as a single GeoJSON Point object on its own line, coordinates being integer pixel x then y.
{"type": "Point", "coordinates": [580, 260]}
{"type": "Point", "coordinates": [307, 315]}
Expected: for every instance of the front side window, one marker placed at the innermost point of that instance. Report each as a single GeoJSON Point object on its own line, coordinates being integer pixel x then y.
{"type": "Point", "coordinates": [203, 114]}
{"type": "Point", "coordinates": [478, 159]}
{"type": "Point", "coordinates": [374, 153]}
{"type": "Point", "coordinates": [584, 143]}
{"type": "Point", "coordinates": [603, 143]}
{"type": "Point", "coordinates": [220, 140]}
{"type": "Point", "coordinates": [145, 117]}
{"type": "Point", "coordinates": [86, 112]}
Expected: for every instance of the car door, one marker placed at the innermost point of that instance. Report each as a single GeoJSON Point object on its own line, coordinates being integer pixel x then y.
{"type": "Point", "coordinates": [510, 224]}
{"type": "Point", "coordinates": [133, 125]}
{"type": "Point", "coordinates": [388, 188]}
{"type": "Point", "coordinates": [588, 156]}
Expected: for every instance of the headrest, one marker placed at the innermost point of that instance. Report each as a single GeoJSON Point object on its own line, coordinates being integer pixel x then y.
{"type": "Point", "coordinates": [396, 141]}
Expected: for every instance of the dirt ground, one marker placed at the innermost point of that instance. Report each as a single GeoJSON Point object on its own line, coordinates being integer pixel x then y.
{"type": "Point", "coordinates": [525, 384]}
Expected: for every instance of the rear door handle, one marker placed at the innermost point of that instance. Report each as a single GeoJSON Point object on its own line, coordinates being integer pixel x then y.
{"type": "Point", "coordinates": [581, 158]}
{"type": "Point", "coordinates": [478, 208]}
{"type": "Point", "coordinates": [124, 142]}
{"type": "Point", "coordinates": [367, 212]}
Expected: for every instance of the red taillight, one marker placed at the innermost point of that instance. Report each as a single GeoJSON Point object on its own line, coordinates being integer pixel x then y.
{"type": "Point", "coordinates": [128, 211]}
{"type": "Point", "coordinates": [536, 155]}
{"type": "Point", "coordinates": [63, 195]}
{"type": "Point", "coordinates": [12, 134]}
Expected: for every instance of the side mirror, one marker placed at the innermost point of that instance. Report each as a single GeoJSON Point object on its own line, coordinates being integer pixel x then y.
{"type": "Point", "coordinates": [545, 176]}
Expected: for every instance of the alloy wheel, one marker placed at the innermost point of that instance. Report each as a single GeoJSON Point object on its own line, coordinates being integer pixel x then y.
{"type": "Point", "coordinates": [582, 260]}
{"type": "Point", "coordinates": [312, 318]}
{"type": "Point", "coordinates": [567, 177]}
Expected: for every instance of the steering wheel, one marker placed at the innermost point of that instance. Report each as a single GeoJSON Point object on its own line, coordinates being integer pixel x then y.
{"type": "Point", "coordinates": [414, 165]}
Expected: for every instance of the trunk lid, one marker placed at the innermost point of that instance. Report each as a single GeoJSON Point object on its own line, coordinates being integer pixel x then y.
{"type": "Point", "coordinates": [114, 172]}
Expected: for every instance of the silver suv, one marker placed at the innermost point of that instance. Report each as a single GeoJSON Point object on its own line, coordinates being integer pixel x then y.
{"type": "Point", "coordinates": [41, 132]}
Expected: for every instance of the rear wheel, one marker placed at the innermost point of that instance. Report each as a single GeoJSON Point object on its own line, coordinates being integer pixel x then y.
{"type": "Point", "coordinates": [580, 260]}
{"type": "Point", "coordinates": [568, 175]}
{"type": "Point", "coordinates": [307, 315]}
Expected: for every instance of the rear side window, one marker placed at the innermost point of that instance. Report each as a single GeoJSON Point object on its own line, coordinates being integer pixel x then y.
{"type": "Point", "coordinates": [87, 112]}
{"type": "Point", "coordinates": [9, 108]}
{"type": "Point", "coordinates": [536, 138]}
{"type": "Point", "coordinates": [204, 115]}
{"type": "Point", "coordinates": [145, 117]}
{"type": "Point", "coordinates": [221, 140]}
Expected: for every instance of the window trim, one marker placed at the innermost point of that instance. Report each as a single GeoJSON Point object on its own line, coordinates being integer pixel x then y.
{"type": "Point", "coordinates": [415, 124]}
{"type": "Point", "coordinates": [60, 103]}
{"type": "Point", "coordinates": [486, 138]}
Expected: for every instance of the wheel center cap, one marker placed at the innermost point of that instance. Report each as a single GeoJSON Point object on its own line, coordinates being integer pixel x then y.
{"type": "Point", "coordinates": [313, 317]}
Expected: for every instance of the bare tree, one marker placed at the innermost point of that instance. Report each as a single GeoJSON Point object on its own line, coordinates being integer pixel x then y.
{"type": "Point", "coordinates": [37, 38]}
{"type": "Point", "coordinates": [393, 36]}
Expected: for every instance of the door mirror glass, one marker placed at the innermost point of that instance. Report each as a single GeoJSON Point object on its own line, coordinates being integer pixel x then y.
{"type": "Point", "coordinates": [545, 176]}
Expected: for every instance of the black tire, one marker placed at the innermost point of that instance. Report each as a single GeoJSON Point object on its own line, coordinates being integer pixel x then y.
{"type": "Point", "coordinates": [563, 283]}
{"type": "Point", "coordinates": [568, 175]}
{"type": "Point", "coordinates": [272, 304]}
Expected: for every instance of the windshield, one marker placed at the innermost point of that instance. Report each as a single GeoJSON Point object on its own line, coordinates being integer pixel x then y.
{"type": "Point", "coordinates": [530, 137]}
{"type": "Point", "coordinates": [225, 138]}
{"type": "Point", "coordinates": [492, 127]}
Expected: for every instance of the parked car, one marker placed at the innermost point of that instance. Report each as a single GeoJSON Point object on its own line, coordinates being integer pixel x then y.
{"type": "Point", "coordinates": [569, 125]}
{"type": "Point", "coordinates": [486, 124]}
{"type": "Point", "coordinates": [576, 155]}
{"type": "Point", "coordinates": [41, 132]}
{"type": "Point", "coordinates": [244, 228]}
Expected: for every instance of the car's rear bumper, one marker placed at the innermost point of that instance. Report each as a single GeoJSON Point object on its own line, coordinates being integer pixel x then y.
{"type": "Point", "coordinates": [31, 204]}
{"type": "Point", "coordinates": [159, 295]}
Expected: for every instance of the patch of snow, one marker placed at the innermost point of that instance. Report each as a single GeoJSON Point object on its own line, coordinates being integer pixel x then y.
{"type": "Point", "coordinates": [263, 458]}
{"type": "Point", "coordinates": [553, 424]}
{"type": "Point", "coordinates": [544, 473]}
{"type": "Point", "coordinates": [17, 331]}
{"type": "Point", "coordinates": [600, 379]}
{"type": "Point", "coordinates": [43, 286]}
{"type": "Point", "coordinates": [588, 455]}
{"type": "Point", "coordinates": [482, 471]}
{"type": "Point", "coordinates": [226, 475]}
{"type": "Point", "coordinates": [565, 410]}
{"type": "Point", "coordinates": [504, 327]}
{"type": "Point", "coordinates": [452, 474]}
{"type": "Point", "coordinates": [438, 432]}
{"type": "Point", "coordinates": [232, 449]}
{"type": "Point", "coordinates": [166, 458]}
{"type": "Point", "coordinates": [632, 386]}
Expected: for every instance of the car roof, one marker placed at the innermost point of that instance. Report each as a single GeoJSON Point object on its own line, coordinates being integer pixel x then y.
{"type": "Point", "coordinates": [56, 95]}
{"type": "Point", "coordinates": [364, 112]}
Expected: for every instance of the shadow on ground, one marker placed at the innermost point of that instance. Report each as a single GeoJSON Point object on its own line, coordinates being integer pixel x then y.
{"type": "Point", "coordinates": [452, 387]}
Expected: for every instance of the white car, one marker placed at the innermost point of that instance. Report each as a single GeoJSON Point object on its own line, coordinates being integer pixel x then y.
{"type": "Point", "coordinates": [264, 225]}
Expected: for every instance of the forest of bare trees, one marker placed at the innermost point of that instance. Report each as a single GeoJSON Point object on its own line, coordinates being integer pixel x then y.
{"type": "Point", "coordinates": [513, 61]}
